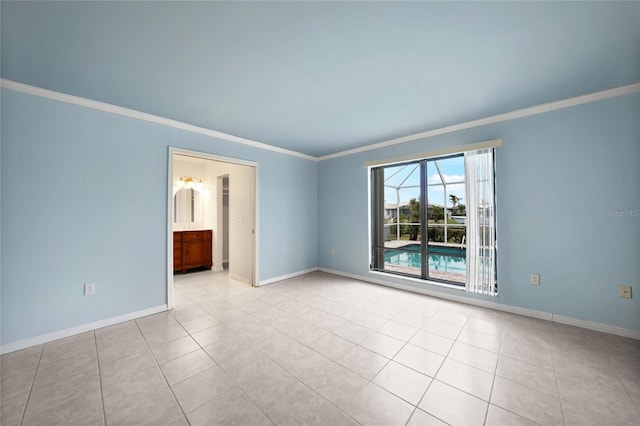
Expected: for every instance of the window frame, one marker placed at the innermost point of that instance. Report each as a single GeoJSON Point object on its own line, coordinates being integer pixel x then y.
{"type": "Point", "coordinates": [438, 154]}
{"type": "Point", "coordinates": [377, 249]}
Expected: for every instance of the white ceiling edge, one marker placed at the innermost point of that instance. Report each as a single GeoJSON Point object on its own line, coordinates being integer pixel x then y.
{"type": "Point", "coordinates": [131, 113]}
{"type": "Point", "coordinates": [520, 113]}
{"type": "Point", "coordinates": [525, 112]}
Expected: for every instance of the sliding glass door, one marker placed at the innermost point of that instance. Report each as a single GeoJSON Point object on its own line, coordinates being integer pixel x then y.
{"type": "Point", "coordinates": [419, 219]}
{"type": "Point", "coordinates": [434, 219]}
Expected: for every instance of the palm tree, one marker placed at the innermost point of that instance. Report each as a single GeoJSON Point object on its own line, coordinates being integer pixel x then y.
{"type": "Point", "coordinates": [454, 200]}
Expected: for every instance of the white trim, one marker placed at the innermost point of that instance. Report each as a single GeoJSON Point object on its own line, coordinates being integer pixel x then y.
{"type": "Point", "coordinates": [239, 278]}
{"type": "Point", "coordinates": [596, 96]}
{"type": "Point", "coordinates": [533, 313]}
{"type": "Point", "coordinates": [287, 276]}
{"type": "Point", "coordinates": [91, 326]}
{"type": "Point", "coordinates": [215, 157]}
{"type": "Point", "coordinates": [256, 225]}
{"type": "Point", "coordinates": [126, 112]}
{"type": "Point", "coordinates": [169, 261]}
{"type": "Point", "coordinates": [597, 326]}
{"type": "Point", "coordinates": [437, 153]}
{"type": "Point", "coordinates": [520, 113]}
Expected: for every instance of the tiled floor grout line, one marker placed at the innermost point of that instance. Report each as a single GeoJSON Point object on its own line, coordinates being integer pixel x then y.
{"type": "Point", "coordinates": [104, 411]}
{"type": "Point", "coordinates": [231, 379]}
{"type": "Point", "coordinates": [310, 388]}
{"type": "Point", "coordinates": [436, 374]}
{"type": "Point", "coordinates": [493, 382]}
{"type": "Point", "coordinates": [293, 375]}
{"type": "Point", "coordinates": [33, 381]}
{"type": "Point", "coordinates": [160, 369]}
{"type": "Point", "coordinates": [407, 342]}
{"type": "Point", "coordinates": [289, 372]}
{"type": "Point", "coordinates": [555, 376]}
{"type": "Point", "coordinates": [624, 386]}
{"type": "Point", "coordinates": [461, 390]}
{"type": "Point", "coordinates": [500, 357]}
{"type": "Point", "coordinates": [542, 332]}
{"type": "Point", "coordinates": [416, 406]}
{"type": "Point", "coordinates": [389, 360]}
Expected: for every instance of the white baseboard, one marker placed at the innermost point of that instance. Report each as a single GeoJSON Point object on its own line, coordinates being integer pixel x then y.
{"type": "Point", "coordinates": [48, 337]}
{"type": "Point", "coordinates": [590, 325]}
{"type": "Point", "coordinates": [597, 326]}
{"type": "Point", "coordinates": [287, 276]}
{"type": "Point", "coordinates": [239, 278]}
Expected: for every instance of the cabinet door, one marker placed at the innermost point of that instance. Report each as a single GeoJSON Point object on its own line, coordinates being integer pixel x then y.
{"type": "Point", "coordinates": [196, 249]}
{"type": "Point", "coordinates": [177, 251]}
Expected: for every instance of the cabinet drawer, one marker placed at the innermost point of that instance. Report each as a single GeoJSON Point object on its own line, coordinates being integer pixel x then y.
{"type": "Point", "coordinates": [195, 235]}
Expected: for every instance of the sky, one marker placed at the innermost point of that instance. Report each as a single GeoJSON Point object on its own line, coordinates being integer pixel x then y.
{"type": "Point", "coordinates": [408, 176]}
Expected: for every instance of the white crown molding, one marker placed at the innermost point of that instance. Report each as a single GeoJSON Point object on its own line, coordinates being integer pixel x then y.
{"type": "Point", "coordinates": [436, 153]}
{"type": "Point", "coordinates": [126, 112]}
{"type": "Point", "coordinates": [83, 328]}
{"type": "Point", "coordinates": [520, 113]}
{"type": "Point", "coordinates": [533, 313]}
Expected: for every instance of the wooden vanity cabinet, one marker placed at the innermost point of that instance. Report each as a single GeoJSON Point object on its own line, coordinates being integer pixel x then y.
{"type": "Point", "coordinates": [191, 249]}
{"type": "Point", "coordinates": [177, 251]}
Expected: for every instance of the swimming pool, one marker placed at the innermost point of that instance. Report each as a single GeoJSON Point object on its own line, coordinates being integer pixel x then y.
{"type": "Point", "coordinates": [442, 259]}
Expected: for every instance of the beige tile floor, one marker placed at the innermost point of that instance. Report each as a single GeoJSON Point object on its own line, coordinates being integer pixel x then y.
{"type": "Point", "coordinates": [325, 350]}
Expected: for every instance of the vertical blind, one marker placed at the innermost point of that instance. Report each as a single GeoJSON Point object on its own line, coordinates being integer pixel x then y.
{"type": "Point", "coordinates": [481, 230]}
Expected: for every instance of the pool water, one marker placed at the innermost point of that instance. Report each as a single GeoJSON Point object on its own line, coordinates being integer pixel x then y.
{"type": "Point", "coordinates": [444, 259]}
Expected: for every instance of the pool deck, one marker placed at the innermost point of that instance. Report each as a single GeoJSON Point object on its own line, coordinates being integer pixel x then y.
{"type": "Point", "coordinates": [439, 275]}
{"type": "Point", "coordinates": [401, 243]}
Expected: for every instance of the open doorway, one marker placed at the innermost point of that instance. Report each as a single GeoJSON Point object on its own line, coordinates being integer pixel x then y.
{"type": "Point", "coordinates": [221, 207]}
{"type": "Point", "coordinates": [222, 245]}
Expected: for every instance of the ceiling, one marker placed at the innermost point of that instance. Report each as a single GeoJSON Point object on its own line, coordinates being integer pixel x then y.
{"type": "Point", "coordinates": [322, 77]}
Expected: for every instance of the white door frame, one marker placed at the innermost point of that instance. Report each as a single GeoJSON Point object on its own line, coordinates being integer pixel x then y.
{"type": "Point", "coordinates": [219, 246]}
{"type": "Point", "coordinates": [207, 156]}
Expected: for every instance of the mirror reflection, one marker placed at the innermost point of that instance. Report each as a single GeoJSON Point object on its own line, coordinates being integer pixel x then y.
{"type": "Point", "coordinates": [187, 206]}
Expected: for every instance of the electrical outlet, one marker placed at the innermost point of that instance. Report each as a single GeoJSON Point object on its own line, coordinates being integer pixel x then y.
{"type": "Point", "coordinates": [89, 289]}
{"type": "Point", "coordinates": [333, 252]}
{"type": "Point", "coordinates": [534, 279]}
{"type": "Point", "coordinates": [624, 292]}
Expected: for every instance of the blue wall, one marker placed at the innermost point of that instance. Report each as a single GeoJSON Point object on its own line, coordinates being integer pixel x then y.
{"type": "Point", "coordinates": [562, 179]}
{"type": "Point", "coordinates": [84, 199]}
